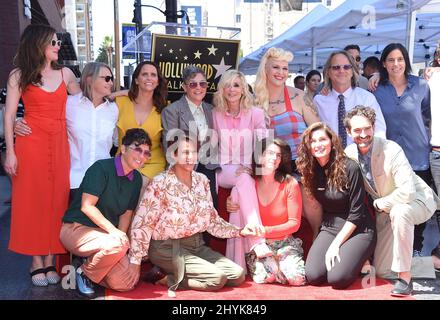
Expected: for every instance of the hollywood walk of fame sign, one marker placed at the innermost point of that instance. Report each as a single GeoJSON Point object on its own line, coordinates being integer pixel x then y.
{"type": "Point", "coordinates": [175, 53]}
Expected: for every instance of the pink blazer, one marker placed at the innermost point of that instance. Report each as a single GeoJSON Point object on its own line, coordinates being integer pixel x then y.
{"type": "Point", "coordinates": [237, 134]}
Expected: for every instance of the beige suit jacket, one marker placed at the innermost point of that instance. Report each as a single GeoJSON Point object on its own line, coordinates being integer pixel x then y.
{"type": "Point", "coordinates": [394, 179]}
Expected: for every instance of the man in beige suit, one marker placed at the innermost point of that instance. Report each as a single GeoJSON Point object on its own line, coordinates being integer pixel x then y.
{"type": "Point", "coordinates": [401, 198]}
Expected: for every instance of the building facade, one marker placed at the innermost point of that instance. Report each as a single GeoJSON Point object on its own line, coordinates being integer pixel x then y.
{"type": "Point", "coordinates": [79, 23]}
{"type": "Point", "coordinates": [15, 16]}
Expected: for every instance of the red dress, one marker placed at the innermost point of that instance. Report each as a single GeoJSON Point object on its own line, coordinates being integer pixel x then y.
{"type": "Point", "coordinates": [40, 190]}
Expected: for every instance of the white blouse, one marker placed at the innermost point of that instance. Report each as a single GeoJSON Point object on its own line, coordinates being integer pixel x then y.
{"type": "Point", "coordinates": [90, 132]}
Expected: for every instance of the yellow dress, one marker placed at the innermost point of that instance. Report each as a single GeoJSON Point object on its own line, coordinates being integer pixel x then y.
{"type": "Point", "coordinates": [152, 125]}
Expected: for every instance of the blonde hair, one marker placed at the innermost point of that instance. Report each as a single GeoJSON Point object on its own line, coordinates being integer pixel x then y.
{"type": "Point", "coordinates": [246, 100]}
{"type": "Point", "coordinates": [91, 70]}
{"type": "Point", "coordinates": [261, 91]}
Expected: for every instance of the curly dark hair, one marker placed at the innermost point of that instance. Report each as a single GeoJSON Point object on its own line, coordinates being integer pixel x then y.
{"type": "Point", "coordinates": [285, 167]}
{"type": "Point", "coordinates": [306, 163]}
{"type": "Point", "coordinates": [360, 110]}
{"type": "Point", "coordinates": [160, 93]}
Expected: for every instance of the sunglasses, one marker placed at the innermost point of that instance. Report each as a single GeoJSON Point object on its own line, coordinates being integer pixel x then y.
{"type": "Point", "coordinates": [56, 43]}
{"type": "Point", "coordinates": [107, 78]}
{"type": "Point", "coordinates": [202, 84]}
{"type": "Point", "coordinates": [337, 67]}
{"type": "Point", "coordinates": [140, 152]}
{"type": "Point", "coordinates": [358, 58]}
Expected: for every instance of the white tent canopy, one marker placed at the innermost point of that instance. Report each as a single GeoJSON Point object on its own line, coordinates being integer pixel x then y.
{"type": "Point", "coordinates": [371, 24]}
{"type": "Point", "coordinates": [252, 60]}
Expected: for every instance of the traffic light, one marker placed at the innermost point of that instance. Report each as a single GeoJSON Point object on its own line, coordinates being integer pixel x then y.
{"type": "Point", "coordinates": [137, 12]}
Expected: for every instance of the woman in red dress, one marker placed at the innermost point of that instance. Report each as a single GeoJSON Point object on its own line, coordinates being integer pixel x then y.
{"type": "Point", "coordinates": [39, 162]}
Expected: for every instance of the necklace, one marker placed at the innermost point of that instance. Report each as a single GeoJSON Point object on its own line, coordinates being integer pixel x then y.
{"type": "Point", "coordinates": [235, 113]}
{"type": "Point", "coordinates": [276, 102]}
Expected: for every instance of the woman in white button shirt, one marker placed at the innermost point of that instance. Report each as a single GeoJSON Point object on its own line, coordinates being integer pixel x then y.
{"type": "Point", "coordinates": [91, 121]}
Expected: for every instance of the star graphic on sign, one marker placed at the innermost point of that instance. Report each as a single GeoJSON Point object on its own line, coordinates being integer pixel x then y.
{"type": "Point", "coordinates": [164, 44]}
{"type": "Point", "coordinates": [177, 58]}
{"type": "Point", "coordinates": [180, 50]}
{"type": "Point", "coordinates": [161, 54]}
{"type": "Point", "coordinates": [185, 58]}
{"type": "Point", "coordinates": [227, 53]}
{"type": "Point", "coordinates": [197, 54]}
{"type": "Point", "coordinates": [170, 51]}
{"type": "Point", "coordinates": [221, 68]}
{"type": "Point", "coordinates": [212, 50]}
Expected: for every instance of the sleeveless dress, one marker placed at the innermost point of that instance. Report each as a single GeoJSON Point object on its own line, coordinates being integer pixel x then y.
{"type": "Point", "coordinates": [40, 190]}
{"type": "Point", "coordinates": [289, 125]}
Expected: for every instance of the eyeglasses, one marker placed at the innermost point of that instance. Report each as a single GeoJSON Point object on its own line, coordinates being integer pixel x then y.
{"type": "Point", "coordinates": [358, 58]}
{"type": "Point", "coordinates": [107, 78]}
{"type": "Point", "coordinates": [140, 152]}
{"type": "Point", "coordinates": [273, 153]}
{"type": "Point", "coordinates": [56, 43]}
{"type": "Point", "coordinates": [337, 67]}
{"type": "Point", "coordinates": [202, 84]}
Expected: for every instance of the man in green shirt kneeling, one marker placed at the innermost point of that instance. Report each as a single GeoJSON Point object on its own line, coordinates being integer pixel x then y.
{"type": "Point", "coordinates": [95, 225]}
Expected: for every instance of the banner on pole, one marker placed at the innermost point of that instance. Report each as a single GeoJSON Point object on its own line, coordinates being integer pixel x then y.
{"type": "Point", "coordinates": [143, 46]}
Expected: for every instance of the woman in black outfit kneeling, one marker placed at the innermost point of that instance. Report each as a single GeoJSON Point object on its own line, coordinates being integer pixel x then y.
{"type": "Point", "coordinates": [347, 236]}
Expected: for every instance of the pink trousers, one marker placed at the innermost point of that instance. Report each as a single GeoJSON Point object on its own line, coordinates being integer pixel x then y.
{"type": "Point", "coordinates": [107, 262]}
{"type": "Point", "coordinates": [244, 193]}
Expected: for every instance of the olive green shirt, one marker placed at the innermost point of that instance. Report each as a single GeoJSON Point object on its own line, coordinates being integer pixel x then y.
{"type": "Point", "coordinates": [117, 193]}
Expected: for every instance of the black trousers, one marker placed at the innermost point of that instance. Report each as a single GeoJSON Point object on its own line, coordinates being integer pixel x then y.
{"type": "Point", "coordinates": [420, 228]}
{"type": "Point", "coordinates": [353, 253]}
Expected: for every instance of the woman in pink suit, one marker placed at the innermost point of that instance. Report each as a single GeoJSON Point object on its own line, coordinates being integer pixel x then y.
{"type": "Point", "coordinates": [238, 123]}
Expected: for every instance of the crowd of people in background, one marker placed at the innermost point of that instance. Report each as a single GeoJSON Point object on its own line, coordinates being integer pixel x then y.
{"type": "Point", "coordinates": [118, 178]}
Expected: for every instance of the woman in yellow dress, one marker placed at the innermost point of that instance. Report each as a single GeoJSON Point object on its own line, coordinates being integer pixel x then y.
{"type": "Point", "coordinates": [141, 109]}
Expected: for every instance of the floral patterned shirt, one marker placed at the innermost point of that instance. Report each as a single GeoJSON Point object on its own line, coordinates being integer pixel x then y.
{"type": "Point", "coordinates": [170, 210]}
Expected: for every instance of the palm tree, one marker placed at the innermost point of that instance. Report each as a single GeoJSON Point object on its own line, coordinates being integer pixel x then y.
{"type": "Point", "coordinates": [105, 52]}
